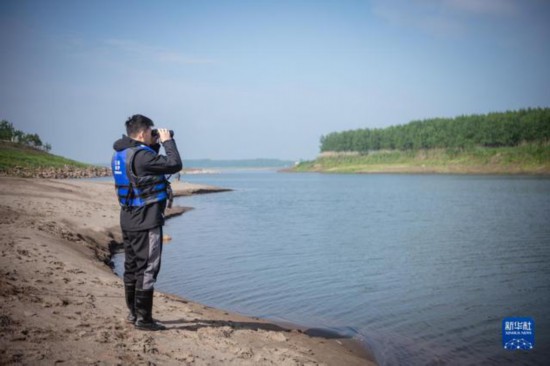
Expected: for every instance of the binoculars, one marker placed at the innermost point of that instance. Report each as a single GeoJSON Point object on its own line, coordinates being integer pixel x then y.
{"type": "Point", "coordinates": [155, 133]}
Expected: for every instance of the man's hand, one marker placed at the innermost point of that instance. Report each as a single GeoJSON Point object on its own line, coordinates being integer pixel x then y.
{"type": "Point", "coordinates": [164, 134]}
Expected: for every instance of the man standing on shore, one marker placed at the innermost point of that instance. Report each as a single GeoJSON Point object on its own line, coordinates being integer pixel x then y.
{"type": "Point", "coordinates": [143, 190]}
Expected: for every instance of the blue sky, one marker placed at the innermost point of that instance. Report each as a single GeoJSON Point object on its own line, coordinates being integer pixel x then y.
{"type": "Point", "coordinates": [247, 79]}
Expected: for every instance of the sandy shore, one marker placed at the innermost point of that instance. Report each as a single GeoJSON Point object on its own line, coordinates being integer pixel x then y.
{"type": "Point", "coordinates": [61, 302]}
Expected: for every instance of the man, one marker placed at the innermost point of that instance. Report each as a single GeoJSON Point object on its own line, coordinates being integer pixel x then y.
{"type": "Point", "coordinates": [143, 190]}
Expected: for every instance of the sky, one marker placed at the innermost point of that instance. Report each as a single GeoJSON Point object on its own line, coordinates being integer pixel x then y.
{"type": "Point", "coordinates": [262, 79]}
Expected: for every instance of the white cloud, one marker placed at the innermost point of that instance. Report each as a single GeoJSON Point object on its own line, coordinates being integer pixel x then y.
{"type": "Point", "coordinates": [155, 53]}
{"type": "Point", "coordinates": [178, 57]}
{"type": "Point", "coordinates": [425, 15]}
{"type": "Point", "coordinates": [484, 7]}
{"type": "Point", "coordinates": [441, 17]}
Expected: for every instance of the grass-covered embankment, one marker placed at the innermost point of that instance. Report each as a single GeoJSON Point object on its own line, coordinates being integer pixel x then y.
{"type": "Point", "coordinates": [24, 161]}
{"type": "Point", "coordinates": [522, 159]}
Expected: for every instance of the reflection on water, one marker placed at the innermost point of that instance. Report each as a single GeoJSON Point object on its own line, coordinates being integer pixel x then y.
{"type": "Point", "coordinates": [423, 268]}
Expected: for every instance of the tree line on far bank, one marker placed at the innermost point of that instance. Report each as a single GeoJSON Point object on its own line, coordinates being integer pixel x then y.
{"type": "Point", "coordinates": [509, 128]}
{"type": "Point", "coordinates": [9, 133]}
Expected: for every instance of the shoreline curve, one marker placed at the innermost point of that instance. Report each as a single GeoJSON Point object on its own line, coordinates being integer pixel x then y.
{"type": "Point", "coordinates": [60, 302]}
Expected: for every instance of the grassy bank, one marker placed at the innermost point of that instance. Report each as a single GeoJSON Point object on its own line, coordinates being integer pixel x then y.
{"type": "Point", "coordinates": [24, 161]}
{"type": "Point", "coordinates": [524, 159]}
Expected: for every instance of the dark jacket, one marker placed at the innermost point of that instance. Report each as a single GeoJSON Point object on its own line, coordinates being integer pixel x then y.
{"type": "Point", "coordinates": [148, 163]}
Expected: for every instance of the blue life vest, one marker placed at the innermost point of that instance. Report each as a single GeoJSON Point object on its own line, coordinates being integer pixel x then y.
{"type": "Point", "coordinates": [134, 191]}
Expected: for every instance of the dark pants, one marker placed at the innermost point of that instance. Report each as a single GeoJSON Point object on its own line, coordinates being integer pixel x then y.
{"type": "Point", "coordinates": [143, 251]}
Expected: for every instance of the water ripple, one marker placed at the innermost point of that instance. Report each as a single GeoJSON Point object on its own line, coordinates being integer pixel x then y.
{"type": "Point", "coordinates": [423, 268]}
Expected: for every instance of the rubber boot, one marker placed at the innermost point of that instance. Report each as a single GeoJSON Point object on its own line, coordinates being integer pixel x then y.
{"type": "Point", "coordinates": [130, 293]}
{"type": "Point", "coordinates": [144, 310]}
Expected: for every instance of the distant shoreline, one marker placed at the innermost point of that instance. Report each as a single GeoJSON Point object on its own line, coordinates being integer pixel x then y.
{"type": "Point", "coordinates": [526, 159]}
{"type": "Point", "coordinates": [395, 169]}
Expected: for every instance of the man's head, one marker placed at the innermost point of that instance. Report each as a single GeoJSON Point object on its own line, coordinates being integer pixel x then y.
{"type": "Point", "coordinates": [138, 127]}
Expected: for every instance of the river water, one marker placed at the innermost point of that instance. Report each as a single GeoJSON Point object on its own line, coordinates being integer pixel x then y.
{"type": "Point", "coordinates": [421, 268]}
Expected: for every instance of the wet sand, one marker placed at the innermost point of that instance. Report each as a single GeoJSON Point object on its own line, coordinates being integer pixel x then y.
{"type": "Point", "coordinates": [61, 302]}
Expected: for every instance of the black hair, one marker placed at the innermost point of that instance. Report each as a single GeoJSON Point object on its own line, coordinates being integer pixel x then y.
{"type": "Point", "coordinates": [137, 123]}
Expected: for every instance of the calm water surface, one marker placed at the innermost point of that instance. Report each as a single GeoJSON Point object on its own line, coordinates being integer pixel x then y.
{"type": "Point", "coordinates": [422, 268]}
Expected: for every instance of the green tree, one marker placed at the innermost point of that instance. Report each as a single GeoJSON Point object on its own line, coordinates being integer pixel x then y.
{"type": "Point", "coordinates": [491, 130]}
{"type": "Point", "coordinates": [6, 130]}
